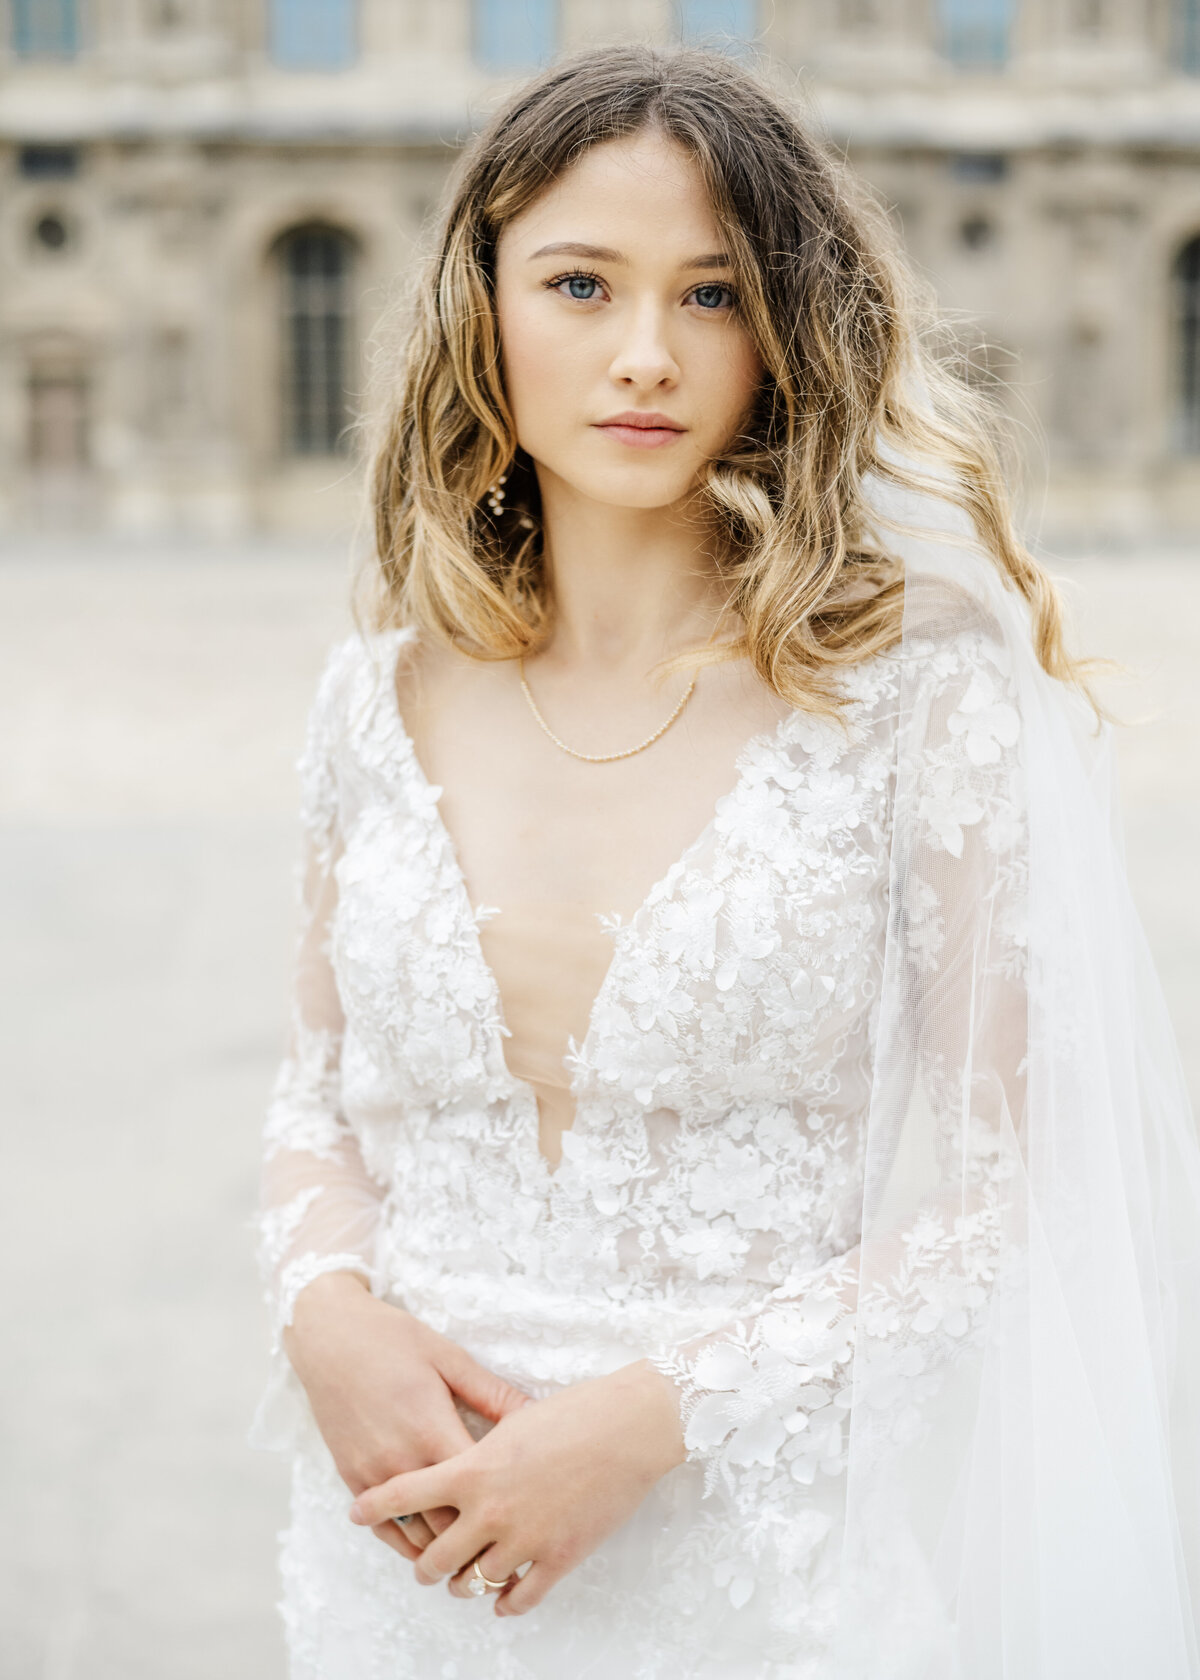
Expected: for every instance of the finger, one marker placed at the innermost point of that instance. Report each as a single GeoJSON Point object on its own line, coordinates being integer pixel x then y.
{"type": "Point", "coordinates": [405, 1495]}
{"type": "Point", "coordinates": [415, 1530]}
{"type": "Point", "coordinates": [452, 1549]}
{"type": "Point", "coordinates": [529, 1591]}
{"type": "Point", "coordinates": [493, 1564]}
{"type": "Point", "coordinates": [449, 1434]}
{"type": "Point", "coordinates": [394, 1537]}
{"type": "Point", "coordinates": [483, 1390]}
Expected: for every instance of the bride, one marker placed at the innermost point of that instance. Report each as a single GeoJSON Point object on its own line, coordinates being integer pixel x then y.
{"type": "Point", "coordinates": [729, 1204]}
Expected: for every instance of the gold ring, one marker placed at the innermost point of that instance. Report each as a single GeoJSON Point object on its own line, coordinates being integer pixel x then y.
{"type": "Point", "coordinates": [479, 1583]}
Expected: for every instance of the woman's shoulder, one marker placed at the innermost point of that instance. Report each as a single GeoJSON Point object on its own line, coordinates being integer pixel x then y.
{"type": "Point", "coordinates": [357, 669]}
{"type": "Point", "coordinates": [952, 675]}
{"type": "Point", "coordinates": [949, 636]}
{"type": "Point", "coordinates": [352, 719]}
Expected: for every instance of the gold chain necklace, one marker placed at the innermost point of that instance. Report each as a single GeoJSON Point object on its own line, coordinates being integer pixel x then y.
{"type": "Point", "coordinates": [603, 758]}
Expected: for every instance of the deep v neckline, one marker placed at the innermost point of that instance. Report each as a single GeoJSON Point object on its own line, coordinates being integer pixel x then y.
{"type": "Point", "coordinates": [469, 913]}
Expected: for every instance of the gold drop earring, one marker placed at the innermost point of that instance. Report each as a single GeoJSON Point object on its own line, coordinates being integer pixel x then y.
{"type": "Point", "coordinates": [495, 494]}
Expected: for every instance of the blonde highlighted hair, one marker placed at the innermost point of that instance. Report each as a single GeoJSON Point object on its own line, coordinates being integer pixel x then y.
{"type": "Point", "coordinates": [841, 328]}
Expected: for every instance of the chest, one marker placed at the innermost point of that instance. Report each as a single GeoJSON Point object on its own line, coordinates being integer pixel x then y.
{"type": "Point", "coordinates": [534, 826]}
{"type": "Point", "coordinates": [743, 968]}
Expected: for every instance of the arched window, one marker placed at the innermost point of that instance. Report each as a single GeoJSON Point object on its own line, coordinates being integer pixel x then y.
{"type": "Point", "coordinates": [317, 266]}
{"type": "Point", "coordinates": [57, 482]}
{"type": "Point", "coordinates": [58, 418]}
{"type": "Point", "coordinates": [1187, 315]}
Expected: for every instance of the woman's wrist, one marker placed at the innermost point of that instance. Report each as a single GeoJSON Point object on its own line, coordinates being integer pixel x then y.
{"type": "Point", "coordinates": [330, 1294]}
{"type": "Point", "coordinates": [328, 1286]}
{"type": "Point", "coordinates": [653, 1401]}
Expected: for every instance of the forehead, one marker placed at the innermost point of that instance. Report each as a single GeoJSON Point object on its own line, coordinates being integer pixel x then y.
{"type": "Point", "coordinates": [642, 195]}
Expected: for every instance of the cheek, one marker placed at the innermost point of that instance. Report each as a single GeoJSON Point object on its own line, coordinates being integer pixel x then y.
{"type": "Point", "coordinates": [745, 369]}
{"type": "Point", "coordinates": [535, 365]}
{"type": "Point", "coordinates": [732, 378]}
{"type": "Point", "coordinates": [518, 361]}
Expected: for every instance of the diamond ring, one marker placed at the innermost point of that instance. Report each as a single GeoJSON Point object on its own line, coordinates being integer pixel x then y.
{"type": "Point", "coordinates": [478, 1584]}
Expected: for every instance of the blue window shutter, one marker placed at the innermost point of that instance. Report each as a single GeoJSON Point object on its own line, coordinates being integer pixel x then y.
{"type": "Point", "coordinates": [1186, 36]}
{"type": "Point", "coordinates": [716, 22]}
{"type": "Point", "coordinates": [514, 34]}
{"type": "Point", "coordinates": [313, 34]}
{"type": "Point", "coordinates": [45, 28]}
{"type": "Point", "coordinates": [975, 33]}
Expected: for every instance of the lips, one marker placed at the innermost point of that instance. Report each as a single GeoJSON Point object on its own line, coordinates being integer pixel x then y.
{"type": "Point", "coordinates": [641, 430]}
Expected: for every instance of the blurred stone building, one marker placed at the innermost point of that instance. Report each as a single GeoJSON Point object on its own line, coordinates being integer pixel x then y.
{"type": "Point", "coordinates": [207, 201]}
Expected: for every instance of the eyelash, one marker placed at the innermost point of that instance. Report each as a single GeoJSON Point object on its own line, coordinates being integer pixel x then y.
{"type": "Point", "coordinates": [587, 274]}
{"type": "Point", "coordinates": [574, 274]}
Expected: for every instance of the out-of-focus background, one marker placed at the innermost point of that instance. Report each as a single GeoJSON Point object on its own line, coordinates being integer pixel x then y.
{"type": "Point", "coordinates": [205, 206]}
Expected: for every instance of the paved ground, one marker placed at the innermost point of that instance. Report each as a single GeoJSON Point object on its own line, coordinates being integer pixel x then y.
{"type": "Point", "coordinates": [150, 709]}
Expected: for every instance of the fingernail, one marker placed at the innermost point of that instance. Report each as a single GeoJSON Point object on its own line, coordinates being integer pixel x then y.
{"type": "Point", "coordinates": [356, 1513]}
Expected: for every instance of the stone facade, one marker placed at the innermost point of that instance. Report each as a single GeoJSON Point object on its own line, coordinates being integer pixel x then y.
{"type": "Point", "coordinates": [200, 230]}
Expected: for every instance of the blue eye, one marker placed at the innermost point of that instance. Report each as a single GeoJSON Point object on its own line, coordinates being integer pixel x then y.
{"type": "Point", "coordinates": [579, 286]}
{"type": "Point", "coordinates": [713, 296]}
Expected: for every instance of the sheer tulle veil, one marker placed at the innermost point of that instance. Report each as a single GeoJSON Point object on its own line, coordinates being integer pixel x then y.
{"type": "Point", "coordinates": [1023, 1474]}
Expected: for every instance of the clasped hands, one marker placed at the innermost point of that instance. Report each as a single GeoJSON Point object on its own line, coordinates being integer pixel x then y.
{"type": "Point", "coordinates": [544, 1486]}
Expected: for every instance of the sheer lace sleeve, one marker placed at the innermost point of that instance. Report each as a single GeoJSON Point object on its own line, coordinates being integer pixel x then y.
{"type": "Point", "coordinates": [318, 1206]}
{"type": "Point", "coordinates": [865, 1339]}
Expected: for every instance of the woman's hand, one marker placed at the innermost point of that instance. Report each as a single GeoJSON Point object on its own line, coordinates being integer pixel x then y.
{"type": "Point", "coordinates": [545, 1486]}
{"type": "Point", "coordinates": [381, 1386]}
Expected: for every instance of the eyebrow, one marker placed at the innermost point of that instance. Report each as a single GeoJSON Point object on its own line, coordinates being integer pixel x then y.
{"type": "Point", "coordinates": [603, 253]}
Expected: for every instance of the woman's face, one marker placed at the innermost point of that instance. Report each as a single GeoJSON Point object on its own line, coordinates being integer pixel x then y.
{"type": "Point", "coordinates": [614, 307]}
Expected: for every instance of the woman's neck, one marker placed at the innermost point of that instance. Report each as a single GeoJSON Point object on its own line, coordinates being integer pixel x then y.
{"type": "Point", "coordinates": [631, 586]}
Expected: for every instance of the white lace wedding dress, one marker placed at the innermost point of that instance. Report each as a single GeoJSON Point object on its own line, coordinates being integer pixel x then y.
{"type": "Point", "coordinates": [706, 1209]}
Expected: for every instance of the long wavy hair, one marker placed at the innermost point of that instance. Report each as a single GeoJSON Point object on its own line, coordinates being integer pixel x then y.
{"type": "Point", "coordinates": [845, 335]}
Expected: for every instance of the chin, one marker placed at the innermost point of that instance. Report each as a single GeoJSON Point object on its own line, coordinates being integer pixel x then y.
{"type": "Point", "coordinates": [634, 491]}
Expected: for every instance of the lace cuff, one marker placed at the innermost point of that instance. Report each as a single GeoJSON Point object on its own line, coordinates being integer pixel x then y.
{"type": "Point", "coordinates": [297, 1275]}
{"type": "Point", "coordinates": [774, 1391]}
{"type": "Point", "coordinates": [877, 1328]}
{"type": "Point", "coordinates": [319, 1206]}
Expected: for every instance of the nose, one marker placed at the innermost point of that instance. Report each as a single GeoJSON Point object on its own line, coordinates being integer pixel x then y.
{"type": "Point", "coordinates": [643, 358]}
